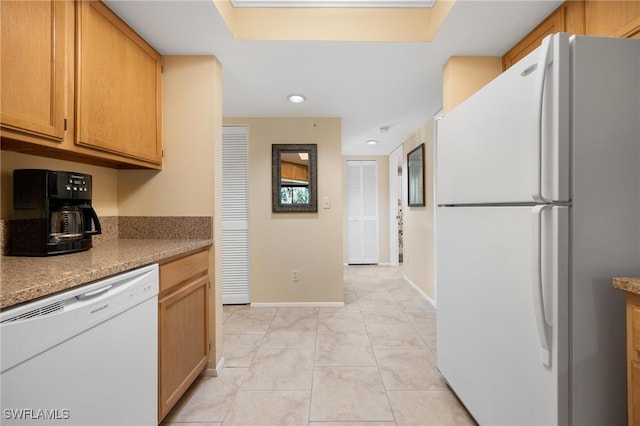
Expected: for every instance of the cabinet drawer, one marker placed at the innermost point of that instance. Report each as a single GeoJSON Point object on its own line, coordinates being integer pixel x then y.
{"type": "Point", "coordinates": [183, 269]}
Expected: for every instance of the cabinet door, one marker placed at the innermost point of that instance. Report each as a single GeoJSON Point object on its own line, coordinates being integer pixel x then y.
{"type": "Point", "coordinates": [118, 84]}
{"type": "Point", "coordinates": [613, 18]}
{"type": "Point", "coordinates": [33, 72]}
{"type": "Point", "coordinates": [183, 340]}
{"type": "Point", "coordinates": [569, 18]}
{"type": "Point", "coordinates": [633, 359]}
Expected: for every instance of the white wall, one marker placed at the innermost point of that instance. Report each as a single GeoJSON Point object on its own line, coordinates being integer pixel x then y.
{"type": "Point", "coordinates": [281, 242]}
{"type": "Point", "coordinates": [418, 225]}
{"type": "Point", "coordinates": [104, 180]}
{"type": "Point", "coordinates": [192, 135]}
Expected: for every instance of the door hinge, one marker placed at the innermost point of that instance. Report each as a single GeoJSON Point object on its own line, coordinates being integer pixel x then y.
{"type": "Point", "coordinates": [65, 124]}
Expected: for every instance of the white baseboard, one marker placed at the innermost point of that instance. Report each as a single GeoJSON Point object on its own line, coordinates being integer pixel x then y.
{"type": "Point", "coordinates": [420, 291]}
{"type": "Point", "coordinates": [214, 372]}
{"type": "Point", "coordinates": [299, 305]}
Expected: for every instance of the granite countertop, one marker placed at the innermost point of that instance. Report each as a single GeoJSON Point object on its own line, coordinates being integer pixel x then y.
{"type": "Point", "coordinates": [632, 285]}
{"type": "Point", "coordinates": [26, 278]}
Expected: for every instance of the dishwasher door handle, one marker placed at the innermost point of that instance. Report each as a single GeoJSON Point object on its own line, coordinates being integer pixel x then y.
{"type": "Point", "coordinates": [94, 293]}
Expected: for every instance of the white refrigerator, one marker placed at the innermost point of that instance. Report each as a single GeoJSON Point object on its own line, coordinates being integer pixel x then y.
{"type": "Point", "coordinates": [538, 208]}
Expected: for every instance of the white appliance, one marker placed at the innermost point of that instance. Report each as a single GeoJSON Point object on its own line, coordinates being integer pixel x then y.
{"type": "Point", "coordinates": [87, 356]}
{"type": "Point", "coordinates": [538, 195]}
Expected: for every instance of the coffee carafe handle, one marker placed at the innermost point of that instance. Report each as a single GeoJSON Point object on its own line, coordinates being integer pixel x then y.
{"type": "Point", "coordinates": [91, 213]}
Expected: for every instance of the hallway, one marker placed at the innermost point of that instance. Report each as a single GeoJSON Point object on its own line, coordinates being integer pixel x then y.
{"type": "Point", "coordinates": [369, 363]}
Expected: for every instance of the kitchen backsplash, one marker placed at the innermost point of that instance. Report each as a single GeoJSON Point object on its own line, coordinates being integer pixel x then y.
{"type": "Point", "coordinates": [140, 227]}
{"type": "Point", "coordinates": [165, 227]}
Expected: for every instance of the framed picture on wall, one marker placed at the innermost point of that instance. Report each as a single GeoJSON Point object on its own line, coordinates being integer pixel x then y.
{"type": "Point", "coordinates": [415, 175]}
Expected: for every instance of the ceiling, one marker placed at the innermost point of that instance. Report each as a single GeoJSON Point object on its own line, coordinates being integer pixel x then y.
{"type": "Point", "coordinates": [367, 84]}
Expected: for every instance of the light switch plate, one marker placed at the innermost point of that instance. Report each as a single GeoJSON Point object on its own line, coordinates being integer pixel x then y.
{"type": "Point", "coordinates": [326, 202]}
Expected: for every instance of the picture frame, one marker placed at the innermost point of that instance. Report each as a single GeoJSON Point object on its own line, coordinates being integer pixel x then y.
{"type": "Point", "coordinates": [415, 177]}
{"type": "Point", "coordinates": [294, 181]}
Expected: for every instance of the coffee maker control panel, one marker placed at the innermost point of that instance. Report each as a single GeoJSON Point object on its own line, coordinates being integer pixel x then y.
{"type": "Point", "coordinates": [77, 184]}
{"type": "Point", "coordinates": [69, 185]}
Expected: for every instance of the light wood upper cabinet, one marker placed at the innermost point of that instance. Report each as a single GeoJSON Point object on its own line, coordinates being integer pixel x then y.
{"type": "Point", "coordinates": [118, 86]}
{"type": "Point", "coordinates": [78, 84]}
{"type": "Point", "coordinates": [292, 171]}
{"type": "Point", "coordinates": [568, 17]}
{"type": "Point", "coordinates": [33, 84]}
{"type": "Point", "coordinates": [613, 18]}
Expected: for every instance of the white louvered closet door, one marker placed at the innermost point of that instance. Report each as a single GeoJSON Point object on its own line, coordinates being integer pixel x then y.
{"type": "Point", "coordinates": [362, 212]}
{"type": "Point", "coordinates": [235, 215]}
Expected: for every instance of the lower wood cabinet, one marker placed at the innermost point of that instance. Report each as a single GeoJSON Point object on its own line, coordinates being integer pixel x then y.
{"type": "Point", "coordinates": [183, 335]}
{"type": "Point", "coordinates": [633, 359]}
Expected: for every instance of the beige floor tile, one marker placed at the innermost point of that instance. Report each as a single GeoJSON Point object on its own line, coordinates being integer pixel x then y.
{"type": "Point", "coordinates": [347, 322]}
{"type": "Point", "coordinates": [239, 349]}
{"type": "Point", "coordinates": [394, 336]}
{"type": "Point", "coordinates": [428, 408]}
{"type": "Point", "coordinates": [300, 335]}
{"type": "Point", "coordinates": [432, 343]}
{"type": "Point", "coordinates": [249, 321]}
{"type": "Point", "coordinates": [295, 315]}
{"type": "Point", "coordinates": [280, 369]}
{"type": "Point", "coordinates": [209, 398]}
{"type": "Point", "coordinates": [269, 408]}
{"type": "Point", "coordinates": [408, 369]}
{"type": "Point", "coordinates": [348, 394]}
{"type": "Point", "coordinates": [351, 424]}
{"type": "Point", "coordinates": [346, 349]}
{"type": "Point", "coordinates": [369, 363]}
{"type": "Point", "coordinates": [327, 315]}
{"type": "Point", "coordinates": [424, 322]}
{"type": "Point", "coordinates": [415, 305]}
{"type": "Point", "coordinates": [388, 313]}
{"type": "Point", "coordinates": [191, 424]}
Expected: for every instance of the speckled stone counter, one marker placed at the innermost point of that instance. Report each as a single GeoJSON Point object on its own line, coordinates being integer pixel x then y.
{"type": "Point", "coordinates": [27, 278]}
{"type": "Point", "coordinates": [632, 285]}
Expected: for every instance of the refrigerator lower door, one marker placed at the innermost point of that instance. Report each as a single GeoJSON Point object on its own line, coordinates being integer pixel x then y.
{"type": "Point", "coordinates": [490, 347]}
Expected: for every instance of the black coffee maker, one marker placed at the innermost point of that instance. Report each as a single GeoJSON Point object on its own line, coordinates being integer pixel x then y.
{"type": "Point", "coordinates": [52, 213]}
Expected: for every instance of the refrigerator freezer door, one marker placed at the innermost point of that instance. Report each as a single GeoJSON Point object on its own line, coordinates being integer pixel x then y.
{"type": "Point", "coordinates": [489, 341]}
{"type": "Point", "coordinates": [510, 141]}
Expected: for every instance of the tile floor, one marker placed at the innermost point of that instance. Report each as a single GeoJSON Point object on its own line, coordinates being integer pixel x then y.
{"type": "Point", "coordinates": [369, 363]}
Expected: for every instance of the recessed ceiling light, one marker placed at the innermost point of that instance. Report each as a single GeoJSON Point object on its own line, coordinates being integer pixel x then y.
{"type": "Point", "coordinates": [296, 99]}
{"type": "Point", "coordinates": [372, 142]}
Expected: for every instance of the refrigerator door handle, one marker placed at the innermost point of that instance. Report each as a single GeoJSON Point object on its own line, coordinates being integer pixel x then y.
{"type": "Point", "coordinates": [538, 298]}
{"type": "Point", "coordinates": [545, 59]}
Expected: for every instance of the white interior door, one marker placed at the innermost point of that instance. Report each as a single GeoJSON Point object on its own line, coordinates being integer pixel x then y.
{"type": "Point", "coordinates": [362, 211]}
{"type": "Point", "coordinates": [235, 215]}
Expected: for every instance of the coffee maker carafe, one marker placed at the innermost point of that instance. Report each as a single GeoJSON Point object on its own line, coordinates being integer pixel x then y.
{"type": "Point", "coordinates": [52, 213]}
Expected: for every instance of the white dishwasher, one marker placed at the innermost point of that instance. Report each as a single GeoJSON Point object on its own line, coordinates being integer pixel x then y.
{"type": "Point", "coordinates": [87, 356]}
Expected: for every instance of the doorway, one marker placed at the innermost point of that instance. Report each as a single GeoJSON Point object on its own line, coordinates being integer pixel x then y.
{"type": "Point", "coordinates": [395, 206]}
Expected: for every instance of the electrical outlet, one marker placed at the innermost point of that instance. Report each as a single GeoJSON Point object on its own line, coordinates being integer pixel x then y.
{"type": "Point", "coordinates": [295, 275]}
